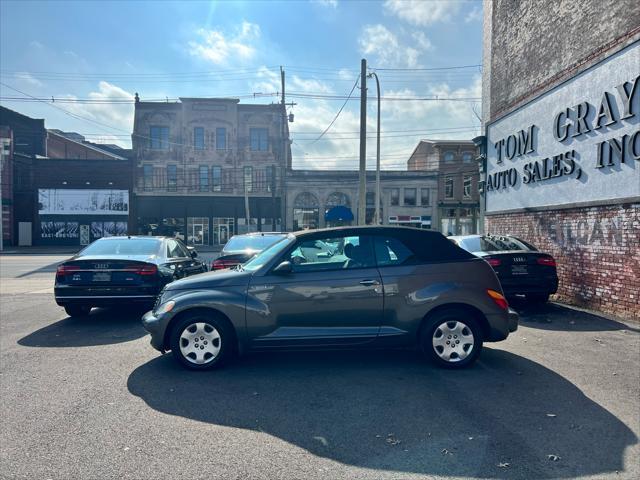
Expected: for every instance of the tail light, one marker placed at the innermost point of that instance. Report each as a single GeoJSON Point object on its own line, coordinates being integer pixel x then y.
{"type": "Point", "coordinates": [498, 298]}
{"type": "Point", "coordinates": [222, 264]}
{"type": "Point", "coordinates": [547, 261]}
{"type": "Point", "coordinates": [62, 270]}
{"type": "Point", "coordinates": [494, 262]}
{"type": "Point", "coordinates": [149, 269]}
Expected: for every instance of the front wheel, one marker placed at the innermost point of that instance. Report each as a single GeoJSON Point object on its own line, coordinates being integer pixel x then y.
{"type": "Point", "coordinates": [77, 310]}
{"type": "Point", "coordinates": [201, 341]}
{"type": "Point", "coordinates": [453, 339]}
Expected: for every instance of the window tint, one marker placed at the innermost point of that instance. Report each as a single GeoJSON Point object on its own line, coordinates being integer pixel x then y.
{"type": "Point", "coordinates": [336, 253]}
{"type": "Point", "coordinates": [123, 246]}
{"type": "Point", "coordinates": [174, 250]}
{"type": "Point", "coordinates": [391, 251]}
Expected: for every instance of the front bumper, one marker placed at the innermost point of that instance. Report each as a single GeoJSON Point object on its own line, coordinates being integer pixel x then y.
{"type": "Point", "coordinates": [156, 325]}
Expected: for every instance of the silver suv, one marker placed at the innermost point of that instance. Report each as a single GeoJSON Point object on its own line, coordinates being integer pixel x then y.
{"type": "Point", "coordinates": [339, 287]}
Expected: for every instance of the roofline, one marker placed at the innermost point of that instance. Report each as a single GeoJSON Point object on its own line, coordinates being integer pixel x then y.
{"type": "Point", "coordinates": [104, 152]}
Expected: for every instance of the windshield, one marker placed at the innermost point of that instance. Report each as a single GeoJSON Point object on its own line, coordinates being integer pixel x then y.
{"type": "Point", "coordinates": [123, 246]}
{"type": "Point", "coordinates": [263, 257]}
{"type": "Point", "coordinates": [252, 242]}
{"type": "Point", "coordinates": [493, 244]}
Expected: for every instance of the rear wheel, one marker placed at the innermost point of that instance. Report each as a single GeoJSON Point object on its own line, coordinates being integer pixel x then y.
{"type": "Point", "coordinates": [77, 310]}
{"type": "Point", "coordinates": [452, 339]}
{"type": "Point", "coordinates": [538, 298]}
{"type": "Point", "coordinates": [201, 341]}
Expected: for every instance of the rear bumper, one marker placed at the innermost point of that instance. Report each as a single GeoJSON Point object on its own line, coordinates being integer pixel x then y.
{"type": "Point", "coordinates": [524, 286]}
{"type": "Point", "coordinates": [502, 324]}
{"type": "Point", "coordinates": [104, 296]}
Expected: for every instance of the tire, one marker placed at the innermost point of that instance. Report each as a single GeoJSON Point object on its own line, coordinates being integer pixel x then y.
{"type": "Point", "coordinates": [209, 349]}
{"type": "Point", "coordinates": [537, 298]}
{"type": "Point", "coordinates": [452, 325]}
{"type": "Point", "coordinates": [77, 310]}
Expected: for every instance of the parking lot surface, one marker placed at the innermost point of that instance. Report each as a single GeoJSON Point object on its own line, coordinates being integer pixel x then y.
{"type": "Point", "coordinates": [90, 399]}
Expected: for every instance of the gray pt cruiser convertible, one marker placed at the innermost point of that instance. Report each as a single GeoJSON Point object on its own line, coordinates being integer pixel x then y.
{"type": "Point", "coordinates": [339, 287]}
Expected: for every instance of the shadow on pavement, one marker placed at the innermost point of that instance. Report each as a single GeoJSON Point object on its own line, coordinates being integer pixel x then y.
{"type": "Point", "coordinates": [553, 316]}
{"type": "Point", "coordinates": [51, 268]}
{"type": "Point", "coordinates": [102, 327]}
{"type": "Point", "coordinates": [388, 410]}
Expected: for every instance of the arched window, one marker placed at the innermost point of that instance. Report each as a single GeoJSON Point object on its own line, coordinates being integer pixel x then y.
{"type": "Point", "coordinates": [306, 211]}
{"type": "Point", "coordinates": [338, 199]}
{"type": "Point", "coordinates": [448, 156]}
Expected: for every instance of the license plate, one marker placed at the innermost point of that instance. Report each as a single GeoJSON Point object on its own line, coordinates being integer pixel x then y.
{"type": "Point", "coordinates": [102, 277]}
{"type": "Point", "coordinates": [519, 270]}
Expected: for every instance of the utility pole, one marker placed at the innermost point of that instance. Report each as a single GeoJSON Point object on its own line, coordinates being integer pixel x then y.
{"type": "Point", "coordinates": [376, 218]}
{"type": "Point", "coordinates": [362, 186]}
{"type": "Point", "coordinates": [247, 216]}
{"type": "Point", "coordinates": [283, 170]}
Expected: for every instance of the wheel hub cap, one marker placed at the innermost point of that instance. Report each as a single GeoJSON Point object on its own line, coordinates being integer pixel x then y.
{"type": "Point", "coordinates": [200, 343]}
{"type": "Point", "coordinates": [453, 341]}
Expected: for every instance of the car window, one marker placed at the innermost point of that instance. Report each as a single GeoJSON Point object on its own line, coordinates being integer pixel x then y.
{"type": "Point", "coordinates": [392, 251]}
{"type": "Point", "coordinates": [494, 243]}
{"type": "Point", "coordinates": [253, 242]}
{"type": "Point", "coordinates": [174, 250]}
{"type": "Point", "coordinates": [335, 253]}
{"type": "Point", "coordinates": [183, 248]}
{"type": "Point", "coordinates": [123, 246]}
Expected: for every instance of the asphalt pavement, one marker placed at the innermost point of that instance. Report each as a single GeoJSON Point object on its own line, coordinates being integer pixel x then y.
{"type": "Point", "coordinates": [90, 399]}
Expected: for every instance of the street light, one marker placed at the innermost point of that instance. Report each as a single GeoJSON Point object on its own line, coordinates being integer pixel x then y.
{"type": "Point", "coordinates": [376, 217]}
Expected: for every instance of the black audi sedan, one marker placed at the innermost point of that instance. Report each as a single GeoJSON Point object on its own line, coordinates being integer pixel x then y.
{"type": "Point", "coordinates": [520, 267]}
{"type": "Point", "coordinates": [120, 270]}
{"type": "Point", "coordinates": [241, 248]}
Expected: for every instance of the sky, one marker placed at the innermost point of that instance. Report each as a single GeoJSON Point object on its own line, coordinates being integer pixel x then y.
{"type": "Point", "coordinates": [77, 64]}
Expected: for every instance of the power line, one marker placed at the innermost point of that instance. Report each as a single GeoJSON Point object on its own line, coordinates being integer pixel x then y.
{"type": "Point", "coordinates": [477, 65]}
{"type": "Point", "coordinates": [339, 112]}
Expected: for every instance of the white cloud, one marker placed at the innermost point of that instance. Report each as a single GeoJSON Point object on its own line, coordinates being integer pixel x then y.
{"type": "Point", "coordinates": [326, 3]}
{"type": "Point", "coordinates": [28, 78]}
{"type": "Point", "coordinates": [474, 15]}
{"type": "Point", "coordinates": [119, 116]}
{"type": "Point", "coordinates": [421, 12]}
{"type": "Point", "coordinates": [218, 47]}
{"type": "Point", "coordinates": [36, 44]}
{"type": "Point", "coordinates": [422, 41]}
{"type": "Point", "coordinates": [387, 50]}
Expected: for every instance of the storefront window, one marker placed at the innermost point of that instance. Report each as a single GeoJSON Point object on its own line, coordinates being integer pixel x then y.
{"type": "Point", "coordinates": [410, 196]}
{"type": "Point", "coordinates": [394, 197]}
{"type": "Point", "coordinates": [222, 230]}
{"type": "Point", "coordinates": [306, 211]}
{"type": "Point", "coordinates": [198, 230]}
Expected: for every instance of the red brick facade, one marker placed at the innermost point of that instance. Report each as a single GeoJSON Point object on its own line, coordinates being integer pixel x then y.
{"type": "Point", "coordinates": [597, 250]}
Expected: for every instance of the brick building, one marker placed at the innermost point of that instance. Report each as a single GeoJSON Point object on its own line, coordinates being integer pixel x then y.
{"type": "Point", "coordinates": [458, 201]}
{"type": "Point", "coordinates": [561, 109]}
{"type": "Point", "coordinates": [199, 162]}
{"type": "Point", "coordinates": [324, 198]}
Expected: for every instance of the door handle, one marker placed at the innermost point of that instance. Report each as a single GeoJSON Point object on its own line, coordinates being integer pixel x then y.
{"type": "Point", "coordinates": [369, 282]}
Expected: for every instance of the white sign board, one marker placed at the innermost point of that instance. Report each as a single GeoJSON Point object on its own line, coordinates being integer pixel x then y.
{"type": "Point", "coordinates": [53, 201]}
{"type": "Point", "coordinates": [577, 143]}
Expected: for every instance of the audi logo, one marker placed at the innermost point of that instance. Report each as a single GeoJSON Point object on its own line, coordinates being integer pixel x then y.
{"type": "Point", "coordinates": [101, 266]}
{"type": "Point", "coordinates": [519, 259]}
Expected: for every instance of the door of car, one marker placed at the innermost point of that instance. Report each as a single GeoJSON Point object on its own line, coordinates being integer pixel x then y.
{"type": "Point", "coordinates": [180, 259]}
{"type": "Point", "coordinates": [332, 295]}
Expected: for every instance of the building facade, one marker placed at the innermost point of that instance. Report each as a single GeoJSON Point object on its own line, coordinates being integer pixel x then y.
{"type": "Point", "coordinates": [326, 198]}
{"type": "Point", "coordinates": [562, 126]}
{"type": "Point", "coordinates": [205, 169]}
{"type": "Point", "coordinates": [458, 200]}
{"type": "Point", "coordinates": [6, 185]}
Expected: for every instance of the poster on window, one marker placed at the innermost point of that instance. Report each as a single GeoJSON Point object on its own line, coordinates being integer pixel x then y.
{"type": "Point", "coordinates": [53, 201]}
{"type": "Point", "coordinates": [59, 230]}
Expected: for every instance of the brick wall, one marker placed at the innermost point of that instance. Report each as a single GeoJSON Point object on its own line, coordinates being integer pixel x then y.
{"type": "Point", "coordinates": [597, 250]}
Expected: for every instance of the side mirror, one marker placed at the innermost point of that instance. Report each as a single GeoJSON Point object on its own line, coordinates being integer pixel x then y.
{"type": "Point", "coordinates": [192, 251]}
{"type": "Point", "coordinates": [283, 269]}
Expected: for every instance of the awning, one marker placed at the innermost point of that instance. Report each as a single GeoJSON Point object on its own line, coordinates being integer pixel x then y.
{"type": "Point", "coordinates": [339, 213]}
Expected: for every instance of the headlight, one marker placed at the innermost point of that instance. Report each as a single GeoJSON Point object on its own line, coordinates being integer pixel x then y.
{"type": "Point", "coordinates": [165, 307]}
